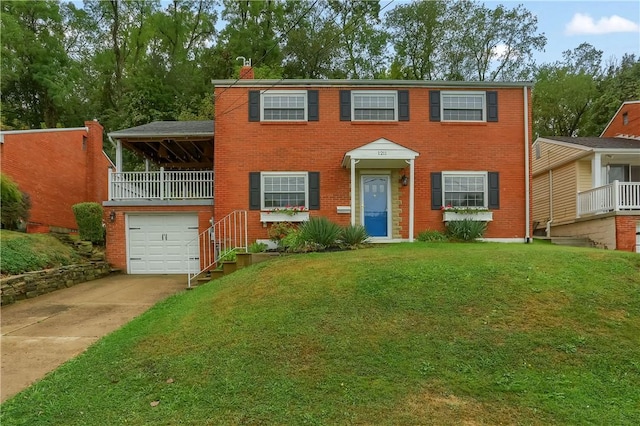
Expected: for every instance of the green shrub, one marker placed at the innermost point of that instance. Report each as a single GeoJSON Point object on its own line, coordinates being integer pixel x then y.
{"type": "Point", "coordinates": [291, 242]}
{"type": "Point", "coordinates": [353, 235]}
{"type": "Point", "coordinates": [466, 230]}
{"type": "Point", "coordinates": [321, 232]}
{"type": "Point", "coordinates": [279, 230]}
{"type": "Point", "coordinates": [228, 255]}
{"type": "Point", "coordinates": [257, 247]}
{"type": "Point", "coordinates": [89, 220]}
{"type": "Point", "coordinates": [431, 235]}
{"type": "Point", "coordinates": [14, 204]}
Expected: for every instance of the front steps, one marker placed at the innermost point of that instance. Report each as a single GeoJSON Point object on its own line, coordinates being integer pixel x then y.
{"type": "Point", "coordinates": [243, 260]}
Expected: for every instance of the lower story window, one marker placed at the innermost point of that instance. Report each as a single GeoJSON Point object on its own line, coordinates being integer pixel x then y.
{"type": "Point", "coordinates": [465, 189]}
{"type": "Point", "coordinates": [281, 190]}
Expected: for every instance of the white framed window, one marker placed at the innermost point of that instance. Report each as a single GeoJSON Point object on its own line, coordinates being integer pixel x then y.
{"type": "Point", "coordinates": [465, 189]}
{"type": "Point", "coordinates": [283, 105]}
{"type": "Point", "coordinates": [380, 105]}
{"type": "Point", "coordinates": [463, 106]}
{"type": "Point", "coordinates": [284, 189]}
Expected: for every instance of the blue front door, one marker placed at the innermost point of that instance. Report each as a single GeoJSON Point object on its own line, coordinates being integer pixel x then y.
{"type": "Point", "coordinates": [375, 201]}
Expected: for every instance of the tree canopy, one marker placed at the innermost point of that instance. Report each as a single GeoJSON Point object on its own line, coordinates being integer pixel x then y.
{"type": "Point", "coordinates": [129, 62]}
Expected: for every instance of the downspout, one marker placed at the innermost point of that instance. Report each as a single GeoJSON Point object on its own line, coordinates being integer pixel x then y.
{"type": "Point", "coordinates": [548, 227]}
{"type": "Point", "coordinates": [526, 166]}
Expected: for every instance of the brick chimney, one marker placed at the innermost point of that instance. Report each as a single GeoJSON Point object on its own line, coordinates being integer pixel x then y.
{"type": "Point", "coordinates": [246, 72]}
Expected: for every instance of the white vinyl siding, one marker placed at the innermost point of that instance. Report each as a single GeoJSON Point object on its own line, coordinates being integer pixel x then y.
{"type": "Point", "coordinates": [463, 106]}
{"type": "Point", "coordinates": [284, 105]}
{"type": "Point", "coordinates": [374, 105]}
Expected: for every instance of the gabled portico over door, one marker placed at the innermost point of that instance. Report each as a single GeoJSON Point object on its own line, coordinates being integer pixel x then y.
{"type": "Point", "coordinates": [380, 157]}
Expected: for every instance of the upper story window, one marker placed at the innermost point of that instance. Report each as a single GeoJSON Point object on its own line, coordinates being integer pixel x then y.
{"type": "Point", "coordinates": [374, 106]}
{"type": "Point", "coordinates": [625, 118]}
{"type": "Point", "coordinates": [465, 189]}
{"type": "Point", "coordinates": [283, 105]}
{"type": "Point", "coordinates": [463, 106]}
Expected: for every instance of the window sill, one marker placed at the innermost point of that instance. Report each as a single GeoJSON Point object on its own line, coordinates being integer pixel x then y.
{"type": "Point", "coordinates": [480, 216]}
{"type": "Point", "coordinates": [284, 122]}
{"type": "Point", "coordinates": [464, 123]}
{"type": "Point", "coordinates": [267, 216]}
{"type": "Point", "coordinates": [395, 122]}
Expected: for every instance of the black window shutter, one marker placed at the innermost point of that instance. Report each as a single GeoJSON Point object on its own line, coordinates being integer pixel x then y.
{"type": "Point", "coordinates": [494, 190]}
{"type": "Point", "coordinates": [314, 190]}
{"type": "Point", "coordinates": [436, 190]}
{"type": "Point", "coordinates": [254, 105]}
{"type": "Point", "coordinates": [312, 105]}
{"type": "Point", "coordinates": [434, 105]}
{"type": "Point", "coordinates": [254, 191]}
{"type": "Point", "coordinates": [403, 105]}
{"type": "Point", "coordinates": [345, 105]}
{"type": "Point", "coordinates": [492, 106]}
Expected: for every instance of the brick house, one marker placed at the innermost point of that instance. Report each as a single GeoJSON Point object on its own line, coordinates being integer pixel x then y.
{"type": "Point", "coordinates": [589, 187]}
{"type": "Point", "coordinates": [57, 168]}
{"type": "Point", "coordinates": [385, 154]}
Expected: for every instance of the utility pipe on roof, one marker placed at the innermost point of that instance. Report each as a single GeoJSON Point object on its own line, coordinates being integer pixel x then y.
{"type": "Point", "coordinates": [526, 165]}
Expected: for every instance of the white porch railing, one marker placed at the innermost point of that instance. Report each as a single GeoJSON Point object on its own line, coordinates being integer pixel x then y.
{"type": "Point", "coordinates": [613, 197]}
{"type": "Point", "coordinates": [161, 185]}
{"type": "Point", "coordinates": [212, 245]}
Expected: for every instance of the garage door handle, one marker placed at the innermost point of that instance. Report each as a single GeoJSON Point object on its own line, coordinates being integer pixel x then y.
{"type": "Point", "coordinates": [194, 258]}
{"type": "Point", "coordinates": [135, 258]}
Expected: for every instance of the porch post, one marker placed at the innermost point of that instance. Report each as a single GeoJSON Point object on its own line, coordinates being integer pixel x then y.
{"type": "Point", "coordinates": [118, 155]}
{"type": "Point", "coordinates": [411, 198]}
{"type": "Point", "coordinates": [596, 170]}
{"type": "Point", "coordinates": [616, 195]}
{"type": "Point", "coordinates": [353, 191]}
{"type": "Point", "coordinates": [162, 183]}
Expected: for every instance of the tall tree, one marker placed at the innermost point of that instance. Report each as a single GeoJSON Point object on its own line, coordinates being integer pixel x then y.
{"type": "Point", "coordinates": [361, 46]}
{"type": "Point", "coordinates": [310, 45]}
{"type": "Point", "coordinates": [37, 73]}
{"type": "Point", "coordinates": [252, 31]}
{"type": "Point", "coordinates": [417, 32]}
{"type": "Point", "coordinates": [565, 91]}
{"type": "Point", "coordinates": [486, 44]}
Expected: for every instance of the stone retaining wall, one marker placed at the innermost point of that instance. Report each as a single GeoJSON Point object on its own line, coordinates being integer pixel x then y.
{"type": "Point", "coordinates": [33, 284]}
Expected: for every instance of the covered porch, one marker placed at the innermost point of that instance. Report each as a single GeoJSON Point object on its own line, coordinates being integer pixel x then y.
{"type": "Point", "coordinates": [615, 183]}
{"type": "Point", "coordinates": [378, 171]}
{"type": "Point", "coordinates": [178, 162]}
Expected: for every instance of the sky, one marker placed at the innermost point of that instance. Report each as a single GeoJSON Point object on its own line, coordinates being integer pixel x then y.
{"type": "Point", "coordinates": [610, 26]}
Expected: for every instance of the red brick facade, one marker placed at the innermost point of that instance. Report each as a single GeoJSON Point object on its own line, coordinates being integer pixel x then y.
{"type": "Point", "coordinates": [626, 122]}
{"type": "Point", "coordinates": [242, 147]}
{"type": "Point", "coordinates": [57, 168]}
{"type": "Point", "coordinates": [626, 228]}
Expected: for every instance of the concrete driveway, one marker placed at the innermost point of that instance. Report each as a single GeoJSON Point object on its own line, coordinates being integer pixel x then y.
{"type": "Point", "coordinates": [40, 334]}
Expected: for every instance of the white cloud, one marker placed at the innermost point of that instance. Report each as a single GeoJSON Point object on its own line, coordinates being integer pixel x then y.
{"type": "Point", "coordinates": [500, 51]}
{"type": "Point", "coordinates": [584, 24]}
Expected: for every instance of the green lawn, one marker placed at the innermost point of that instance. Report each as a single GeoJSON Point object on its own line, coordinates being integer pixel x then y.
{"type": "Point", "coordinates": [397, 335]}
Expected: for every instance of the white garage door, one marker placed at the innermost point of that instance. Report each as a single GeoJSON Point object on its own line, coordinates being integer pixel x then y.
{"type": "Point", "coordinates": [157, 244]}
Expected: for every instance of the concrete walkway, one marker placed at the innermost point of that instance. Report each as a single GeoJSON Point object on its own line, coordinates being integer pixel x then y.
{"type": "Point", "coordinates": [40, 334]}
